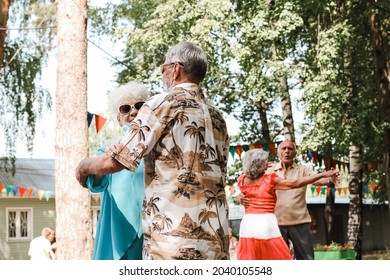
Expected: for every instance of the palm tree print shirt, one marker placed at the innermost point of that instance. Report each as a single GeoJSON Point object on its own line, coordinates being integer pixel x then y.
{"type": "Point", "coordinates": [184, 140]}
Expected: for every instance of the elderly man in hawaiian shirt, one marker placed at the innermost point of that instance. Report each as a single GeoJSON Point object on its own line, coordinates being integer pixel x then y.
{"type": "Point", "coordinates": [184, 141]}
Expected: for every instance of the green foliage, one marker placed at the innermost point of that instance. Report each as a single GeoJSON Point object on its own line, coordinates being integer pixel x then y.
{"type": "Point", "coordinates": [322, 48]}
{"type": "Point", "coordinates": [26, 50]}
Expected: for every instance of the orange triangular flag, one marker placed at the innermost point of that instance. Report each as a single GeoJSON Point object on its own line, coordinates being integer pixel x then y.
{"type": "Point", "coordinates": [239, 151]}
{"type": "Point", "coordinates": [21, 191]}
{"type": "Point", "coordinates": [29, 191]}
{"type": "Point", "coordinates": [1, 187]}
{"type": "Point", "coordinates": [100, 121]}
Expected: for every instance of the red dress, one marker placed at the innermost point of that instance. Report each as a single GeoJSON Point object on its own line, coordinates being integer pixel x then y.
{"type": "Point", "coordinates": [260, 237]}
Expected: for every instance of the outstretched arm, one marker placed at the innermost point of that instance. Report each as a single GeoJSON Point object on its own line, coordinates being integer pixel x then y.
{"type": "Point", "coordinates": [98, 166]}
{"type": "Point", "coordinates": [284, 184]}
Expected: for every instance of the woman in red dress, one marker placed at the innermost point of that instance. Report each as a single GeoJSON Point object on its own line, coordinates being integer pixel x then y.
{"type": "Point", "coordinates": [260, 238]}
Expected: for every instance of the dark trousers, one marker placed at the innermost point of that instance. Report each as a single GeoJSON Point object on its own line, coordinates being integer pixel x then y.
{"type": "Point", "coordinates": [301, 239]}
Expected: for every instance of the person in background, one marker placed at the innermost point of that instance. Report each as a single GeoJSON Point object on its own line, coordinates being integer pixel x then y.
{"type": "Point", "coordinates": [53, 241]}
{"type": "Point", "coordinates": [184, 142]}
{"type": "Point", "coordinates": [119, 230]}
{"type": "Point", "coordinates": [260, 237]}
{"type": "Point", "coordinates": [233, 242]}
{"type": "Point", "coordinates": [40, 247]}
{"type": "Point", "coordinates": [291, 210]}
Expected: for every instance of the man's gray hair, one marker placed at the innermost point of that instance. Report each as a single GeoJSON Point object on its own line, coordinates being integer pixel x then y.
{"type": "Point", "coordinates": [192, 58]}
{"type": "Point", "coordinates": [126, 93]}
{"type": "Point", "coordinates": [254, 162]}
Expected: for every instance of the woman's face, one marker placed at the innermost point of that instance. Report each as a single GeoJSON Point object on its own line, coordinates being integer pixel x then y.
{"type": "Point", "coordinates": [52, 235]}
{"type": "Point", "coordinates": [128, 110]}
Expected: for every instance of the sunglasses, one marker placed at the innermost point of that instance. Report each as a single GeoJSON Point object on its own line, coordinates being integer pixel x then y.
{"type": "Point", "coordinates": [166, 65]}
{"type": "Point", "coordinates": [125, 109]}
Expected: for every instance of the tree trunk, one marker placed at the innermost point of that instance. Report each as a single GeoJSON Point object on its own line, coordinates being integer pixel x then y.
{"type": "Point", "coordinates": [382, 76]}
{"type": "Point", "coordinates": [73, 203]}
{"type": "Point", "coordinates": [288, 121]}
{"type": "Point", "coordinates": [4, 9]}
{"type": "Point", "coordinates": [329, 213]}
{"type": "Point", "coordinates": [262, 108]}
{"type": "Point", "coordinates": [355, 216]}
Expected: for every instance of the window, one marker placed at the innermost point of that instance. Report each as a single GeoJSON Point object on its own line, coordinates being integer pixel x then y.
{"type": "Point", "coordinates": [95, 217]}
{"type": "Point", "coordinates": [19, 224]}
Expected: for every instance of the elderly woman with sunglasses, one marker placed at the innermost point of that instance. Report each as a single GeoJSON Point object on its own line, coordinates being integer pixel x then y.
{"type": "Point", "coordinates": [119, 230]}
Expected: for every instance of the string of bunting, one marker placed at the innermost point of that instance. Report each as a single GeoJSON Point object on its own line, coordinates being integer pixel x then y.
{"type": "Point", "coordinates": [313, 156]}
{"type": "Point", "coordinates": [25, 192]}
{"type": "Point", "coordinates": [318, 191]}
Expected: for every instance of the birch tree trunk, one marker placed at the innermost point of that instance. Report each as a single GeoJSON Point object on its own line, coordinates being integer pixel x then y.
{"type": "Point", "coordinates": [288, 121]}
{"type": "Point", "coordinates": [355, 217]}
{"type": "Point", "coordinates": [73, 203]}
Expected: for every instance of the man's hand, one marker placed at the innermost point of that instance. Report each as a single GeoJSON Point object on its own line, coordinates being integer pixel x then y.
{"type": "Point", "coordinates": [243, 200]}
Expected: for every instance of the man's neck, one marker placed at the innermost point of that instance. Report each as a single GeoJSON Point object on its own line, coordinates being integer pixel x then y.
{"type": "Point", "coordinates": [285, 165]}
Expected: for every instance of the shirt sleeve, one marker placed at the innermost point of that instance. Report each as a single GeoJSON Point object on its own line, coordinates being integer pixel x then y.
{"type": "Point", "coordinates": [142, 135]}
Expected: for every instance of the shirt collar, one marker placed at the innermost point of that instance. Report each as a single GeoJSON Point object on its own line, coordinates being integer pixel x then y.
{"type": "Point", "coordinates": [278, 166]}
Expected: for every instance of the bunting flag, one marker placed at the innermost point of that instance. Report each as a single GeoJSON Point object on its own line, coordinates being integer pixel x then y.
{"type": "Point", "coordinates": [89, 118]}
{"type": "Point", "coordinates": [252, 146]}
{"type": "Point", "coordinates": [47, 195]}
{"type": "Point", "coordinates": [21, 191]}
{"type": "Point", "coordinates": [8, 189]}
{"type": "Point", "coordinates": [41, 194]}
{"type": "Point", "coordinates": [239, 151]}
{"type": "Point", "coordinates": [100, 121]}
{"type": "Point", "coordinates": [232, 150]}
{"type": "Point", "coordinates": [1, 187]}
{"type": "Point", "coordinates": [29, 192]}
{"type": "Point", "coordinates": [15, 190]}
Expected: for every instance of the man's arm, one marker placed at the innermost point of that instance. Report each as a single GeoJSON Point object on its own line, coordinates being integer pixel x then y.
{"type": "Point", "coordinates": [98, 166]}
{"type": "Point", "coordinates": [325, 181]}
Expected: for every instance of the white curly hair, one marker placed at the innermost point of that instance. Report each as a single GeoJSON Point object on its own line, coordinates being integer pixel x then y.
{"type": "Point", "coordinates": [124, 94]}
{"type": "Point", "coordinates": [254, 162]}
